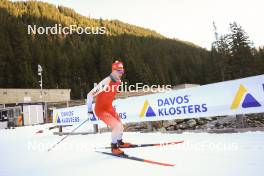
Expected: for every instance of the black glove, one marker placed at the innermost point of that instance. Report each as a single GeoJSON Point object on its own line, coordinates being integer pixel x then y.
{"type": "Point", "coordinates": [91, 112]}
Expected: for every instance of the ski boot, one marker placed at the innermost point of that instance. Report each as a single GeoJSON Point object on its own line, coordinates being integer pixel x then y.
{"type": "Point", "coordinates": [122, 144]}
{"type": "Point", "coordinates": [116, 150]}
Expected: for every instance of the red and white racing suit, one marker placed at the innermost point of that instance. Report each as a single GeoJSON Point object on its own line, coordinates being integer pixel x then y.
{"type": "Point", "coordinates": [105, 93]}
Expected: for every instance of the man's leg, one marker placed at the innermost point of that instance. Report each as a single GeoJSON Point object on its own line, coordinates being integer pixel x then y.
{"type": "Point", "coordinates": [120, 142]}
{"type": "Point", "coordinates": [120, 133]}
{"type": "Point", "coordinates": [114, 123]}
{"type": "Point", "coordinates": [117, 129]}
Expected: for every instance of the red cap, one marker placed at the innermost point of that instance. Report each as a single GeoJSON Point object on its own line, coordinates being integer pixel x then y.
{"type": "Point", "coordinates": [117, 65]}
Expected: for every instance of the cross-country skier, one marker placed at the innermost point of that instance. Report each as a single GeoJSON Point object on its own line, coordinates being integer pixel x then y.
{"type": "Point", "coordinates": [105, 93]}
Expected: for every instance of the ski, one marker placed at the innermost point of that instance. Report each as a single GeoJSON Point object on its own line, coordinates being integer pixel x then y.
{"type": "Point", "coordinates": [126, 156]}
{"type": "Point", "coordinates": [147, 145]}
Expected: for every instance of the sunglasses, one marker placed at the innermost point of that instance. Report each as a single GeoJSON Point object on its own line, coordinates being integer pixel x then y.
{"type": "Point", "coordinates": [120, 71]}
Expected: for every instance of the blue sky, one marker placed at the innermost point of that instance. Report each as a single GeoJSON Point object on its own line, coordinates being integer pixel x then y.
{"type": "Point", "coordinates": [189, 20]}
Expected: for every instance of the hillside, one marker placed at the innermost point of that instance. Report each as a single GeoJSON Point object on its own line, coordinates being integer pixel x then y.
{"type": "Point", "coordinates": [76, 61]}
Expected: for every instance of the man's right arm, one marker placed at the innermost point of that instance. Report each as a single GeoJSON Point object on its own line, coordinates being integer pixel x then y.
{"type": "Point", "coordinates": [95, 91]}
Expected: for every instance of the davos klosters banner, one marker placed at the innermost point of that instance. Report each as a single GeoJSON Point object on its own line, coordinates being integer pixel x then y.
{"type": "Point", "coordinates": [240, 96]}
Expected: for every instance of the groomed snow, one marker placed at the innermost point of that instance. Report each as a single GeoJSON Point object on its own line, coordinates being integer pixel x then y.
{"type": "Point", "coordinates": [23, 152]}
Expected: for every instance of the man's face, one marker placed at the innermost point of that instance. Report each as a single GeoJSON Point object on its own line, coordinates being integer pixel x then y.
{"type": "Point", "coordinates": [119, 73]}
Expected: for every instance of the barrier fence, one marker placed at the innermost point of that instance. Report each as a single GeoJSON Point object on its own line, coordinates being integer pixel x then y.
{"type": "Point", "coordinates": [241, 96]}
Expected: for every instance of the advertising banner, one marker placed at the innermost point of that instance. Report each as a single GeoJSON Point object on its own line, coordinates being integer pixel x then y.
{"type": "Point", "coordinates": [242, 96]}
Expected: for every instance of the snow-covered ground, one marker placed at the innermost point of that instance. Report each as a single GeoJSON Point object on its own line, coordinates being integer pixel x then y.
{"type": "Point", "coordinates": [23, 152]}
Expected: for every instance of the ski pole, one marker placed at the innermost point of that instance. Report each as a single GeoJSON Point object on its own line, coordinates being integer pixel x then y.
{"type": "Point", "coordinates": [67, 135]}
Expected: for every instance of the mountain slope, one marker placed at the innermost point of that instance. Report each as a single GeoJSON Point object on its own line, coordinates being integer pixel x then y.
{"type": "Point", "coordinates": [77, 61]}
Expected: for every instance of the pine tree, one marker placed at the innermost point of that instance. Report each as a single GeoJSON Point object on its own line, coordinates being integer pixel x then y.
{"type": "Point", "coordinates": [240, 50]}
